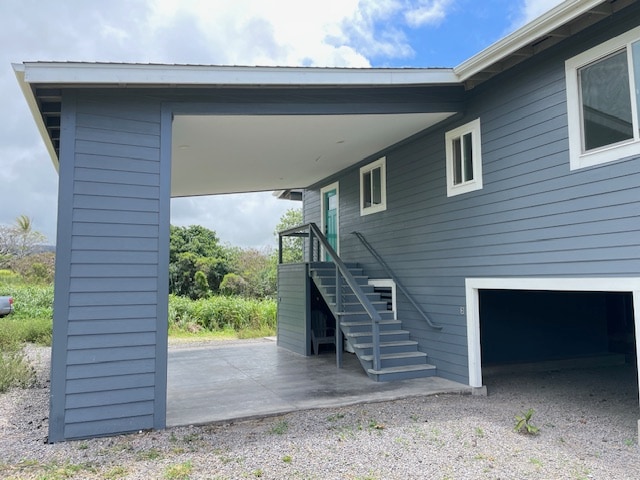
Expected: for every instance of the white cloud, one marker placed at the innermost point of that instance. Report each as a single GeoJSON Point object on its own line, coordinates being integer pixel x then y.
{"type": "Point", "coordinates": [532, 9]}
{"type": "Point", "coordinates": [343, 33]}
{"type": "Point", "coordinates": [427, 12]}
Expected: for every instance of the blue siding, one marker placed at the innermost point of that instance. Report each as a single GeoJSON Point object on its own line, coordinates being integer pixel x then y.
{"type": "Point", "coordinates": [293, 308]}
{"type": "Point", "coordinates": [108, 356]}
{"type": "Point", "coordinates": [532, 218]}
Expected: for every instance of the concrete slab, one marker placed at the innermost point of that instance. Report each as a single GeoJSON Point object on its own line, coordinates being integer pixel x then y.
{"type": "Point", "coordinates": [218, 382]}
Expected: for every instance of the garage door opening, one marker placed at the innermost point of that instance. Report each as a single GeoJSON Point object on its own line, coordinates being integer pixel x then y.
{"type": "Point", "coordinates": [534, 321]}
{"type": "Point", "coordinates": [525, 326]}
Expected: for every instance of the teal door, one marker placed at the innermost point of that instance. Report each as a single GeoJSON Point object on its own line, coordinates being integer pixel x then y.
{"type": "Point", "coordinates": [331, 218]}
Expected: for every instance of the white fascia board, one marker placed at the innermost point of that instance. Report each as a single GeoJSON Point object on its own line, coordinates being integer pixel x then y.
{"type": "Point", "coordinates": [19, 71]}
{"type": "Point", "coordinates": [546, 23]}
{"type": "Point", "coordinates": [173, 75]}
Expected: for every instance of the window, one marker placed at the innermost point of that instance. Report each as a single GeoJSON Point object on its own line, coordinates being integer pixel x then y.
{"type": "Point", "coordinates": [602, 101]}
{"type": "Point", "coordinates": [464, 159]}
{"type": "Point", "coordinates": [373, 187]}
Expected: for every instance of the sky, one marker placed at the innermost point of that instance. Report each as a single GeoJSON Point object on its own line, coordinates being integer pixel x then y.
{"type": "Point", "coordinates": [314, 33]}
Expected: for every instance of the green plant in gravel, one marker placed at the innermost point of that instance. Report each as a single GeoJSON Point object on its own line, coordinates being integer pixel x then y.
{"type": "Point", "coordinates": [179, 471]}
{"type": "Point", "coordinates": [524, 425]}
{"type": "Point", "coordinates": [15, 370]}
{"type": "Point", "coordinates": [287, 459]}
{"type": "Point", "coordinates": [55, 471]}
{"type": "Point", "coordinates": [151, 454]}
{"type": "Point", "coordinates": [115, 473]}
{"type": "Point", "coordinates": [280, 428]}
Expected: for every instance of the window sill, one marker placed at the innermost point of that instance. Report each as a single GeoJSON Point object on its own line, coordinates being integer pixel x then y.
{"type": "Point", "coordinates": [605, 155]}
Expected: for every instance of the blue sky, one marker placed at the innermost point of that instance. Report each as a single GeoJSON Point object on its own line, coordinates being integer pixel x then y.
{"type": "Point", "coordinates": [322, 33]}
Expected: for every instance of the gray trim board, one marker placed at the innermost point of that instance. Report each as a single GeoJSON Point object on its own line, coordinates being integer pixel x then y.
{"type": "Point", "coordinates": [160, 398]}
{"type": "Point", "coordinates": [63, 270]}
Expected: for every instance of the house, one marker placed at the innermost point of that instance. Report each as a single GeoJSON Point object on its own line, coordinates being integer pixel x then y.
{"type": "Point", "coordinates": [503, 194]}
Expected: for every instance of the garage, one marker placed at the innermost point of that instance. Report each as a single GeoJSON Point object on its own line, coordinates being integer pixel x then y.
{"type": "Point", "coordinates": [568, 321]}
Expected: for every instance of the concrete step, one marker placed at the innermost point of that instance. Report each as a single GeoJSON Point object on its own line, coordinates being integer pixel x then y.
{"type": "Point", "coordinates": [402, 373]}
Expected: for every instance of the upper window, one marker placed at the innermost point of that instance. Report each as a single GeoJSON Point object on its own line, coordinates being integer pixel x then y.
{"type": "Point", "coordinates": [373, 187]}
{"type": "Point", "coordinates": [464, 159]}
{"type": "Point", "coordinates": [602, 101]}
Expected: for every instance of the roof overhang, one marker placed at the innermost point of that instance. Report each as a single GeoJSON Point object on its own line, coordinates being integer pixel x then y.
{"type": "Point", "coordinates": [291, 151]}
{"type": "Point", "coordinates": [562, 21]}
{"type": "Point", "coordinates": [230, 153]}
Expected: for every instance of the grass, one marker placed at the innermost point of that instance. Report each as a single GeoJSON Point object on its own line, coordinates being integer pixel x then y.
{"type": "Point", "coordinates": [179, 471]}
{"type": "Point", "coordinates": [52, 470]}
{"type": "Point", "coordinates": [280, 428]}
{"type": "Point", "coordinates": [214, 318]}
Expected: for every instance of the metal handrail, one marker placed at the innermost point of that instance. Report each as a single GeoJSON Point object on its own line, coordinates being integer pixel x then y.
{"type": "Point", "coordinates": [312, 231]}
{"type": "Point", "coordinates": [395, 279]}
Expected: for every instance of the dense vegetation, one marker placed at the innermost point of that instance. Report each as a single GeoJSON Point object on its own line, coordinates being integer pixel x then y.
{"type": "Point", "coordinates": [216, 290]}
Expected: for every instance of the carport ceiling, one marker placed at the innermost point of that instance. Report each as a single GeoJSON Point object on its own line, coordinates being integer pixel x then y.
{"type": "Point", "coordinates": [213, 154]}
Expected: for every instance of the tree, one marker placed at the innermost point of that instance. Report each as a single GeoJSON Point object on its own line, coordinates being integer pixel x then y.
{"type": "Point", "coordinates": [291, 246]}
{"type": "Point", "coordinates": [197, 261]}
{"type": "Point", "coordinates": [20, 239]}
{"type": "Point", "coordinates": [253, 273]}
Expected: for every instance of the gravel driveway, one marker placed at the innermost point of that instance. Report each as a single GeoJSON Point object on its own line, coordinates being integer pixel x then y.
{"type": "Point", "coordinates": [587, 419]}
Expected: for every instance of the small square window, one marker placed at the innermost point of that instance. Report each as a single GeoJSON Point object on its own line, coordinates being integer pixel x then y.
{"type": "Point", "coordinates": [602, 101]}
{"type": "Point", "coordinates": [373, 188]}
{"type": "Point", "coordinates": [464, 159]}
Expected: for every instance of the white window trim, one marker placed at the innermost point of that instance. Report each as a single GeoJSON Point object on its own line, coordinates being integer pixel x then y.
{"type": "Point", "coordinates": [472, 127]}
{"type": "Point", "coordinates": [334, 186]}
{"type": "Point", "coordinates": [609, 153]}
{"type": "Point", "coordinates": [474, 285]}
{"type": "Point", "coordinates": [382, 163]}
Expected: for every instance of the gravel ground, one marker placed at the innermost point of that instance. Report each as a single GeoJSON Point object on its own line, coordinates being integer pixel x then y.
{"type": "Point", "coordinates": [587, 420]}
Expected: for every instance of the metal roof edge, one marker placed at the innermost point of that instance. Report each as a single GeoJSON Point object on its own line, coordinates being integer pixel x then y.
{"type": "Point", "coordinates": [554, 18]}
{"type": "Point", "coordinates": [123, 74]}
{"type": "Point", "coordinates": [19, 70]}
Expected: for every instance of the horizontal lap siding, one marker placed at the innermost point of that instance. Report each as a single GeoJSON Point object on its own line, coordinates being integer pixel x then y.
{"type": "Point", "coordinates": [113, 276]}
{"type": "Point", "coordinates": [292, 308]}
{"type": "Point", "coordinates": [533, 217]}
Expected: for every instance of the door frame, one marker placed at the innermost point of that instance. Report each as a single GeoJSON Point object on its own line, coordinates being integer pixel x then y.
{"type": "Point", "coordinates": [333, 186]}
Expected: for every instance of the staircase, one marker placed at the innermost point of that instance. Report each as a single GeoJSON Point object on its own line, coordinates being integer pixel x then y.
{"type": "Point", "coordinates": [400, 358]}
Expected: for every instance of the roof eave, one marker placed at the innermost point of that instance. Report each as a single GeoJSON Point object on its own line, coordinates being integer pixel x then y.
{"type": "Point", "coordinates": [68, 73]}
{"type": "Point", "coordinates": [27, 91]}
{"type": "Point", "coordinates": [551, 20]}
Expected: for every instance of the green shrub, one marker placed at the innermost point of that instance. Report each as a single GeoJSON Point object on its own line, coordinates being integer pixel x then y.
{"type": "Point", "coordinates": [30, 301]}
{"type": "Point", "coordinates": [15, 331]}
{"type": "Point", "coordinates": [15, 370]}
{"type": "Point", "coordinates": [219, 313]}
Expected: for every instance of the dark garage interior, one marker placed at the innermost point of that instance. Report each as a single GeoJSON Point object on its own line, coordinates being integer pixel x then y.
{"type": "Point", "coordinates": [522, 326]}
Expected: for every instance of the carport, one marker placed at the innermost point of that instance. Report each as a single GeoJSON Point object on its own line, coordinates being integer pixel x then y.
{"type": "Point", "coordinates": [125, 138]}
